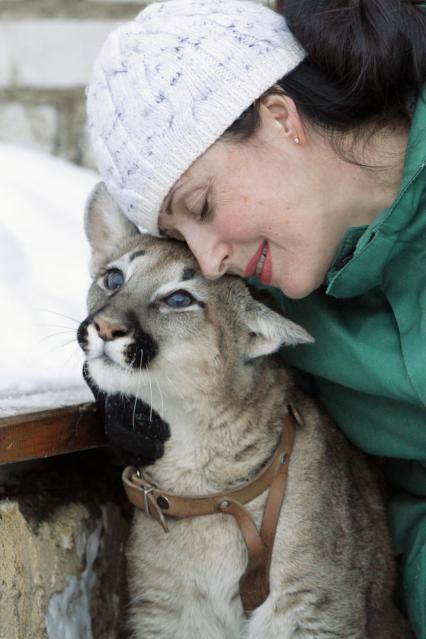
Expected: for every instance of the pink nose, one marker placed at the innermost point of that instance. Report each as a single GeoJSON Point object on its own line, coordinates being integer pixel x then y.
{"type": "Point", "coordinates": [109, 330]}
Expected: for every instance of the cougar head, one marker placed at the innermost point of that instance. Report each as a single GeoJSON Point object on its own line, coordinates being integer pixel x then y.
{"type": "Point", "coordinates": [152, 314]}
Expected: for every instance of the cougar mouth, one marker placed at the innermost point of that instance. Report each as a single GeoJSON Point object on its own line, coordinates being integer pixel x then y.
{"type": "Point", "coordinates": [107, 360]}
{"type": "Point", "coordinates": [140, 353]}
{"type": "Point", "coordinates": [137, 353]}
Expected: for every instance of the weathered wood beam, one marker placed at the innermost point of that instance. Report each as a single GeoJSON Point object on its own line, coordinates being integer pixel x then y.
{"type": "Point", "coordinates": [49, 433]}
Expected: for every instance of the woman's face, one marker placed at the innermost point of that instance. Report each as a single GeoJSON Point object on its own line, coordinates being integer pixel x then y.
{"type": "Point", "coordinates": [258, 207]}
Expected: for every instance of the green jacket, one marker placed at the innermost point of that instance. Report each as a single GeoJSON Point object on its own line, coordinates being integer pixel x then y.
{"type": "Point", "coordinates": [368, 363]}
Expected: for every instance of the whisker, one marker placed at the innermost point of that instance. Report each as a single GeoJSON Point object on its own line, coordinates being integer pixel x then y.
{"type": "Point", "coordinates": [56, 348]}
{"type": "Point", "coordinates": [172, 384]}
{"type": "Point", "coordinates": [75, 353]}
{"type": "Point", "coordinates": [185, 377]}
{"type": "Point", "coordinates": [134, 414]}
{"type": "Point", "coordinates": [43, 339]}
{"type": "Point", "coordinates": [130, 365]}
{"type": "Point", "coordinates": [46, 310]}
{"type": "Point", "coordinates": [71, 341]}
{"type": "Point", "coordinates": [137, 392]}
{"type": "Point", "coordinates": [161, 397]}
{"type": "Point", "coordinates": [71, 328]}
{"type": "Point", "coordinates": [150, 392]}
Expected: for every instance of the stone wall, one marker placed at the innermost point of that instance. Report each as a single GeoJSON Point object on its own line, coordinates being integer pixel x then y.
{"type": "Point", "coordinates": [47, 49]}
{"type": "Point", "coordinates": [63, 528]}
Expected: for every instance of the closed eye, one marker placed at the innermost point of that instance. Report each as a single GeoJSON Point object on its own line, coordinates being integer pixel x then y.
{"type": "Point", "coordinates": [204, 212]}
{"type": "Point", "coordinates": [172, 235]}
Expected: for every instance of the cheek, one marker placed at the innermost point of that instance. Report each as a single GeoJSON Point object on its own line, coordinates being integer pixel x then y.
{"type": "Point", "coordinates": [242, 222]}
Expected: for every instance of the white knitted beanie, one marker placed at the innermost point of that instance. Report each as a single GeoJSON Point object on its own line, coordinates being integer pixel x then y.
{"type": "Point", "coordinates": [168, 84]}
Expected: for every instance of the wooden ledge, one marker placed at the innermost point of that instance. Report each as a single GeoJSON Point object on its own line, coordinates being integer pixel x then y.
{"type": "Point", "coordinates": [49, 433]}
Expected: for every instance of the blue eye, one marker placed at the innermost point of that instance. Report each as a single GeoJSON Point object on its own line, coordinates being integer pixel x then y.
{"type": "Point", "coordinates": [113, 279]}
{"type": "Point", "coordinates": [179, 299]}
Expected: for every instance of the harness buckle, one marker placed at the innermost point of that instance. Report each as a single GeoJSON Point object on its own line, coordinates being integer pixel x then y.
{"type": "Point", "coordinates": [146, 491]}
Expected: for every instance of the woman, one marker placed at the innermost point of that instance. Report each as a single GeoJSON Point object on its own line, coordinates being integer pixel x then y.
{"type": "Point", "coordinates": [303, 165]}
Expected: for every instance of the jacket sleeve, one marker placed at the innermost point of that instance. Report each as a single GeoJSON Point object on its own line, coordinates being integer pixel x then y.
{"type": "Point", "coordinates": [408, 526]}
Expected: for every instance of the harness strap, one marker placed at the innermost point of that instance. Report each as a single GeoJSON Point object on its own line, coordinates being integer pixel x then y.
{"type": "Point", "coordinates": [255, 545]}
{"type": "Point", "coordinates": [254, 584]}
{"type": "Point", "coordinates": [156, 503]}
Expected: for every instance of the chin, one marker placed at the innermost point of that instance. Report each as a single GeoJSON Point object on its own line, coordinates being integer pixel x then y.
{"type": "Point", "coordinates": [113, 378]}
{"type": "Point", "coordinates": [296, 288]}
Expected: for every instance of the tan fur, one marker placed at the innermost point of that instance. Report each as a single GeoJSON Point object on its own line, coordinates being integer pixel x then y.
{"type": "Point", "coordinates": [332, 571]}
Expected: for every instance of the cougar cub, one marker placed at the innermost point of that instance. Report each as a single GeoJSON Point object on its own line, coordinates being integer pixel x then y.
{"type": "Point", "coordinates": [199, 353]}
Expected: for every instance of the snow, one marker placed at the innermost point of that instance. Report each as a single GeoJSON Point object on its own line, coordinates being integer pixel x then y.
{"type": "Point", "coordinates": [69, 615]}
{"type": "Point", "coordinates": [44, 277]}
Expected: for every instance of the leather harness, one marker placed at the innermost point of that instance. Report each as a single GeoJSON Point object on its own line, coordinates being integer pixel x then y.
{"type": "Point", "coordinates": [158, 504]}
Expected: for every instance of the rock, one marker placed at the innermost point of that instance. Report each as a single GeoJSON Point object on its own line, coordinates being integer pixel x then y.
{"type": "Point", "coordinates": [63, 528]}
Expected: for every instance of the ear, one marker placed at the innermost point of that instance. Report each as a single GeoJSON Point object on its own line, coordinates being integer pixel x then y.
{"type": "Point", "coordinates": [270, 331]}
{"type": "Point", "coordinates": [107, 229]}
{"type": "Point", "coordinates": [282, 111]}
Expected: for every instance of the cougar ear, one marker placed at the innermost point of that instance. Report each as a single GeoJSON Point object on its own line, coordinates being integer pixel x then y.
{"type": "Point", "coordinates": [269, 331]}
{"type": "Point", "coordinates": [106, 227]}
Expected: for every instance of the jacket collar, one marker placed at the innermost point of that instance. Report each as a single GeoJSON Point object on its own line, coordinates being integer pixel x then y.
{"type": "Point", "coordinates": [364, 251]}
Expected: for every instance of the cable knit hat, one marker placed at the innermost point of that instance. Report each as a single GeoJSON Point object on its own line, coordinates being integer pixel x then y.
{"type": "Point", "coordinates": [168, 84]}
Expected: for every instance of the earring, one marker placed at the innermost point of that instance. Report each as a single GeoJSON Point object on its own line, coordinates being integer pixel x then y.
{"type": "Point", "coordinates": [297, 140]}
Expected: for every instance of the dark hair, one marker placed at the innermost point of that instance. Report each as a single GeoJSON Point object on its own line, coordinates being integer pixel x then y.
{"type": "Point", "coordinates": [365, 64]}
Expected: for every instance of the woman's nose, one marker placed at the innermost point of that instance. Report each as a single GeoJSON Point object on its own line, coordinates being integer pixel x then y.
{"type": "Point", "coordinates": [212, 257]}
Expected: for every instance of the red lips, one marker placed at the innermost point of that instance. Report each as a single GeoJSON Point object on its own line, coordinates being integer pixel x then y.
{"type": "Point", "coordinates": [266, 274]}
{"type": "Point", "coordinates": [251, 266]}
